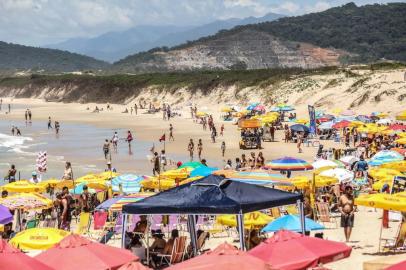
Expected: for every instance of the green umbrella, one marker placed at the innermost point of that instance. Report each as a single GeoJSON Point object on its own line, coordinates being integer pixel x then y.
{"type": "Point", "coordinates": [191, 164]}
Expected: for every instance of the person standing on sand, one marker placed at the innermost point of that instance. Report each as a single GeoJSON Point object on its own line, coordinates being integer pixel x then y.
{"type": "Point", "coordinates": [18, 131]}
{"type": "Point", "coordinates": [29, 115]}
{"type": "Point", "coordinates": [131, 110]}
{"type": "Point", "coordinates": [213, 134]}
{"type": "Point", "coordinates": [129, 140]}
{"type": "Point", "coordinates": [156, 168]}
{"type": "Point", "coordinates": [57, 126]}
{"type": "Point", "coordinates": [9, 108]}
{"type": "Point", "coordinates": [26, 115]}
{"type": "Point", "coordinates": [49, 123]}
{"type": "Point", "coordinates": [223, 148]}
{"type": "Point", "coordinates": [114, 141]}
{"type": "Point", "coordinates": [67, 173]}
{"type": "Point", "coordinates": [191, 149]}
{"type": "Point", "coordinates": [251, 161]}
{"type": "Point", "coordinates": [136, 109]}
{"type": "Point", "coordinates": [244, 161]}
{"type": "Point", "coordinates": [171, 132]}
{"type": "Point", "coordinates": [222, 130]}
{"type": "Point", "coordinates": [346, 208]}
{"type": "Point", "coordinates": [299, 142]}
{"type": "Point", "coordinates": [12, 130]}
{"type": "Point", "coordinates": [106, 149]}
{"type": "Point", "coordinates": [200, 149]}
{"type": "Point", "coordinates": [272, 131]}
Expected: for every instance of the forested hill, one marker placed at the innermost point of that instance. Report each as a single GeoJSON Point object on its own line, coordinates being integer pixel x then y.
{"type": "Point", "coordinates": [13, 56]}
{"type": "Point", "coordinates": [365, 34]}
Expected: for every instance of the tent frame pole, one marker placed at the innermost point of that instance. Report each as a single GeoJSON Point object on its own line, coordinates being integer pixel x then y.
{"type": "Point", "coordinates": [123, 230]}
{"type": "Point", "coordinates": [302, 216]}
{"type": "Point", "coordinates": [191, 222]}
{"type": "Point", "coordinates": [240, 223]}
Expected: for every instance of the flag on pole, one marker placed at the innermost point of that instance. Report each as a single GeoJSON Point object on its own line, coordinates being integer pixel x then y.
{"type": "Point", "coordinates": [162, 139]}
{"type": "Point", "coordinates": [42, 162]}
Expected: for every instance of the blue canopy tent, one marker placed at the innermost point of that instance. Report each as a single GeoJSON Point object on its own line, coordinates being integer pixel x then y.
{"type": "Point", "coordinates": [215, 195]}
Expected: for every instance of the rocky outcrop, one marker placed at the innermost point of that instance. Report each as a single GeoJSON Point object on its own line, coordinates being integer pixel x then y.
{"type": "Point", "coordinates": [248, 49]}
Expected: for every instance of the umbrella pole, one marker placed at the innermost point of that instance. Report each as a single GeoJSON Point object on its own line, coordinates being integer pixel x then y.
{"type": "Point", "coordinates": [192, 231]}
{"type": "Point", "coordinates": [380, 236]}
{"type": "Point", "coordinates": [123, 231]}
{"type": "Point", "coordinates": [147, 236]}
{"type": "Point", "coordinates": [302, 216]}
{"type": "Point", "coordinates": [240, 223]}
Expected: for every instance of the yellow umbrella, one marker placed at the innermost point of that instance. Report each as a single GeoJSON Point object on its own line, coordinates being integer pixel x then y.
{"type": "Point", "coordinates": [226, 109]}
{"type": "Point", "coordinates": [322, 169]}
{"type": "Point", "coordinates": [396, 165]}
{"type": "Point", "coordinates": [401, 116]}
{"type": "Point", "coordinates": [402, 134]}
{"type": "Point", "coordinates": [107, 175]}
{"type": "Point", "coordinates": [382, 201]}
{"type": "Point", "coordinates": [321, 181]}
{"type": "Point", "coordinates": [356, 124]}
{"type": "Point", "coordinates": [155, 183]}
{"type": "Point", "coordinates": [201, 114]}
{"type": "Point", "coordinates": [377, 186]}
{"type": "Point", "coordinates": [337, 111]}
{"type": "Point", "coordinates": [301, 121]}
{"type": "Point", "coordinates": [88, 178]}
{"type": "Point", "coordinates": [38, 238]}
{"type": "Point", "coordinates": [23, 186]}
{"type": "Point", "coordinates": [49, 182]}
{"type": "Point", "coordinates": [251, 220]}
{"type": "Point", "coordinates": [177, 173]}
{"type": "Point", "coordinates": [97, 185]}
{"type": "Point", "coordinates": [401, 140]}
{"type": "Point", "coordinates": [381, 173]}
{"type": "Point", "coordinates": [65, 183]}
{"type": "Point", "coordinates": [26, 201]}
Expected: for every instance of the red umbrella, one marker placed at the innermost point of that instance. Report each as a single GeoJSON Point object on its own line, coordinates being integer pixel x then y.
{"type": "Point", "coordinates": [398, 266]}
{"type": "Point", "coordinates": [308, 251]}
{"type": "Point", "coordinates": [401, 151]}
{"type": "Point", "coordinates": [75, 252]}
{"type": "Point", "coordinates": [397, 127]}
{"type": "Point", "coordinates": [224, 257]}
{"type": "Point", "coordinates": [134, 266]}
{"type": "Point", "coordinates": [341, 124]}
{"type": "Point", "coordinates": [12, 258]}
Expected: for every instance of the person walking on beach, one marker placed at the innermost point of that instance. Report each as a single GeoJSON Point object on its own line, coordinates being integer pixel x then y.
{"type": "Point", "coordinates": [12, 130]}
{"type": "Point", "coordinates": [299, 142]}
{"type": "Point", "coordinates": [106, 149]}
{"type": "Point", "coordinates": [222, 130]}
{"type": "Point", "coordinates": [223, 148]}
{"type": "Point", "coordinates": [57, 126]}
{"type": "Point", "coordinates": [9, 108]}
{"type": "Point", "coordinates": [213, 134]}
{"type": "Point", "coordinates": [129, 140]}
{"type": "Point", "coordinates": [11, 175]}
{"type": "Point", "coordinates": [346, 208]}
{"type": "Point", "coordinates": [171, 132]}
{"type": "Point", "coordinates": [114, 141]}
{"type": "Point", "coordinates": [163, 160]}
{"type": "Point", "coordinates": [136, 109]}
{"type": "Point", "coordinates": [18, 131]}
{"type": "Point", "coordinates": [191, 149]}
{"type": "Point", "coordinates": [67, 173]}
{"type": "Point", "coordinates": [29, 115]}
{"type": "Point", "coordinates": [200, 149]}
{"type": "Point", "coordinates": [49, 123]}
{"type": "Point", "coordinates": [272, 131]}
{"type": "Point", "coordinates": [26, 115]}
{"type": "Point", "coordinates": [156, 168]}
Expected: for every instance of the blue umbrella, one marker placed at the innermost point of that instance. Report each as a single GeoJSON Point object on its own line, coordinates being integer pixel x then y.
{"type": "Point", "coordinates": [291, 223]}
{"type": "Point", "coordinates": [79, 189]}
{"type": "Point", "coordinates": [130, 183]}
{"type": "Point", "coordinates": [202, 171]}
{"type": "Point", "coordinates": [252, 106]}
{"type": "Point", "coordinates": [5, 215]}
{"type": "Point", "coordinates": [300, 128]}
{"type": "Point", "coordinates": [326, 125]}
{"type": "Point", "coordinates": [385, 156]}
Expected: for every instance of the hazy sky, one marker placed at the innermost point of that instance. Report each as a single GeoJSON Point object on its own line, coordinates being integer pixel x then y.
{"type": "Point", "coordinates": [38, 22]}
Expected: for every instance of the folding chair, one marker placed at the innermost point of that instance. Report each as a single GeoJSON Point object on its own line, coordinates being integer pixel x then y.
{"type": "Point", "coordinates": [178, 252]}
{"type": "Point", "coordinates": [397, 244]}
{"type": "Point", "coordinates": [84, 223]}
{"type": "Point", "coordinates": [324, 215]}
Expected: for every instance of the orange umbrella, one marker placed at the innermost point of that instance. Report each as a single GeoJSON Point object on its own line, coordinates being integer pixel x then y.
{"type": "Point", "coordinates": [224, 257]}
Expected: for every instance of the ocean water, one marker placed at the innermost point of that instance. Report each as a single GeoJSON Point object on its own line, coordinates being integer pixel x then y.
{"type": "Point", "coordinates": [81, 144]}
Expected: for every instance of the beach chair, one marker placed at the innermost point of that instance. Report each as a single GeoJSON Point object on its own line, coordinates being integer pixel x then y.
{"type": "Point", "coordinates": [275, 212]}
{"type": "Point", "coordinates": [32, 224]}
{"type": "Point", "coordinates": [397, 244]}
{"type": "Point", "coordinates": [324, 215]}
{"type": "Point", "coordinates": [84, 223]}
{"type": "Point", "coordinates": [177, 254]}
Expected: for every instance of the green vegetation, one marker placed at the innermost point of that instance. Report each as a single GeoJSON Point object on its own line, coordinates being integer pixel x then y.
{"type": "Point", "coordinates": [20, 57]}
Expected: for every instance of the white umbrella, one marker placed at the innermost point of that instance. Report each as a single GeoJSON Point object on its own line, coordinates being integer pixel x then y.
{"type": "Point", "coordinates": [320, 163]}
{"type": "Point", "coordinates": [343, 175]}
{"type": "Point", "coordinates": [349, 159]}
{"type": "Point", "coordinates": [384, 121]}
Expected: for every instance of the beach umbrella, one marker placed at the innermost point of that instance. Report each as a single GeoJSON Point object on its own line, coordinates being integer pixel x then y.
{"type": "Point", "coordinates": [349, 159]}
{"type": "Point", "coordinates": [116, 203]}
{"type": "Point", "coordinates": [259, 177]}
{"type": "Point", "coordinates": [401, 151]}
{"type": "Point", "coordinates": [108, 175]}
{"type": "Point", "coordinates": [26, 201]}
{"type": "Point", "coordinates": [53, 182]}
{"type": "Point", "coordinates": [79, 189]}
{"type": "Point", "coordinates": [384, 121]}
{"type": "Point", "coordinates": [342, 124]}
{"type": "Point", "coordinates": [224, 257]}
{"type": "Point", "coordinates": [251, 220]}
{"type": "Point", "coordinates": [343, 175]}
{"type": "Point", "coordinates": [363, 118]}
{"type": "Point", "coordinates": [301, 121]}
{"type": "Point", "coordinates": [307, 251]}
{"type": "Point", "coordinates": [401, 116]}
{"type": "Point", "coordinates": [191, 164]}
{"type": "Point", "coordinates": [159, 182]}
{"type": "Point", "coordinates": [401, 141]}
{"type": "Point", "coordinates": [134, 266]}
{"type": "Point", "coordinates": [286, 108]}
{"type": "Point", "coordinates": [201, 114]}
{"type": "Point", "coordinates": [326, 125]}
{"type": "Point", "coordinates": [226, 109]}
{"type": "Point", "coordinates": [288, 164]}
{"type": "Point", "coordinates": [260, 108]}
{"type": "Point", "coordinates": [396, 165]}
{"type": "Point", "coordinates": [12, 258]}
{"type": "Point", "coordinates": [38, 238]}
{"type": "Point", "coordinates": [337, 111]}
{"type": "Point", "coordinates": [383, 201]}
{"type": "Point", "coordinates": [23, 186]}
{"type": "Point", "coordinates": [320, 163]}
{"type": "Point", "coordinates": [88, 178]}
{"type": "Point", "coordinates": [291, 223]}
{"type": "Point", "coordinates": [5, 215]}
{"type": "Point", "coordinates": [65, 183]}
{"type": "Point", "coordinates": [252, 106]}
{"type": "Point", "coordinates": [202, 171]}
{"type": "Point", "coordinates": [181, 173]}
{"type": "Point", "coordinates": [299, 128]}
{"type": "Point", "coordinates": [397, 127]}
{"type": "Point", "coordinates": [398, 266]}
{"type": "Point", "coordinates": [320, 181]}
{"type": "Point", "coordinates": [385, 156]}
{"type": "Point", "coordinates": [379, 173]}
{"type": "Point", "coordinates": [127, 183]}
{"type": "Point", "coordinates": [76, 252]}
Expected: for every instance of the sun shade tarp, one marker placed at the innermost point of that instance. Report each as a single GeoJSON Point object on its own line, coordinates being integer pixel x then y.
{"type": "Point", "coordinates": [212, 195]}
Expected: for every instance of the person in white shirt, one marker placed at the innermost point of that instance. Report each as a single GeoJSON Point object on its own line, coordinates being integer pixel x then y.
{"type": "Point", "coordinates": [35, 179]}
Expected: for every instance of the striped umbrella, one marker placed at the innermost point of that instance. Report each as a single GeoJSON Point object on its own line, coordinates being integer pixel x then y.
{"type": "Point", "coordinates": [260, 177]}
{"type": "Point", "coordinates": [116, 204]}
{"type": "Point", "coordinates": [288, 164]}
{"type": "Point", "coordinates": [130, 183]}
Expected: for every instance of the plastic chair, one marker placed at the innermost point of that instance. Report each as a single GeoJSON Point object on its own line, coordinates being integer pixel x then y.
{"type": "Point", "coordinates": [84, 223]}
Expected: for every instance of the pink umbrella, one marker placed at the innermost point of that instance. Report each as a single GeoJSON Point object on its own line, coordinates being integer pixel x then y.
{"type": "Point", "coordinates": [260, 108]}
{"type": "Point", "coordinates": [347, 113]}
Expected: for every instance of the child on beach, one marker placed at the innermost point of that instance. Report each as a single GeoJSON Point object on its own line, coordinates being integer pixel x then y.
{"type": "Point", "coordinates": [223, 148]}
{"type": "Point", "coordinates": [171, 132]}
{"type": "Point", "coordinates": [222, 130]}
{"type": "Point", "coordinates": [191, 148]}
